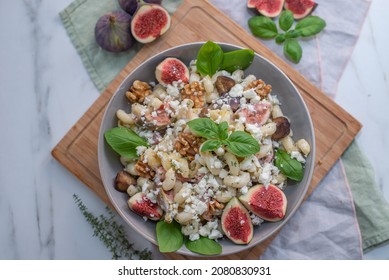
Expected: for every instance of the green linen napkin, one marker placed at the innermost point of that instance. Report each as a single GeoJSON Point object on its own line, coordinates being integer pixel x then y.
{"type": "Point", "coordinates": [79, 19]}
{"type": "Point", "coordinates": [371, 208]}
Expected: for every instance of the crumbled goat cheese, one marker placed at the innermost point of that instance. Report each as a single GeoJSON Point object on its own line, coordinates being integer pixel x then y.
{"type": "Point", "coordinates": [194, 236]}
{"type": "Point", "coordinates": [237, 75]}
{"type": "Point", "coordinates": [244, 190]}
{"type": "Point", "coordinates": [298, 156]}
{"type": "Point", "coordinates": [236, 90]}
{"type": "Point", "coordinates": [249, 94]}
{"type": "Point", "coordinates": [255, 100]}
{"type": "Point", "coordinates": [173, 91]}
{"type": "Point", "coordinates": [255, 131]}
{"type": "Point", "coordinates": [215, 234]}
{"type": "Point", "coordinates": [246, 81]}
{"type": "Point", "coordinates": [256, 220]}
{"type": "Point", "coordinates": [140, 150]}
{"type": "Point", "coordinates": [266, 176]}
{"type": "Point", "coordinates": [274, 99]}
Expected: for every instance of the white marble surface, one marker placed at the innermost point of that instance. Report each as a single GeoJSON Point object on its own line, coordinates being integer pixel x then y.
{"type": "Point", "coordinates": [44, 91]}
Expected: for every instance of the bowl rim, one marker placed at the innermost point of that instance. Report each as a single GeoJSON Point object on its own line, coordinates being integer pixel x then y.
{"type": "Point", "coordinates": [182, 250]}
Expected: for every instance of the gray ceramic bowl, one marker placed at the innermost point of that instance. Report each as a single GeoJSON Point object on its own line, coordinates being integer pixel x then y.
{"type": "Point", "coordinates": [293, 106]}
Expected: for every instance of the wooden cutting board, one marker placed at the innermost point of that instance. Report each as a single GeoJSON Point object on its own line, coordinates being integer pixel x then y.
{"type": "Point", "coordinates": [198, 20]}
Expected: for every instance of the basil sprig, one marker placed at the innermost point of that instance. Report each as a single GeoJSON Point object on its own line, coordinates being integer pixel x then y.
{"type": "Point", "coordinates": [264, 27]}
{"type": "Point", "coordinates": [169, 236]}
{"type": "Point", "coordinates": [239, 143]}
{"type": "Point", "coordinates": [211, 58]}
{"type": "Point", "coordinates": [289, 166]}
{"type": "Point", "coordinates": [124, 141]}
{"type": "Point", "coordinates": [204, 246]}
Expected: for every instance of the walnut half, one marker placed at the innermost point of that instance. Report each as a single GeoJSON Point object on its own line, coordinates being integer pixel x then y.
{"type": "Point", "coordinates": [144, 170]}
{"type": "Point", "coordinates": [260, 87]}
{"type": "Point", "coordinates": [195, 92]}
{"type": "Point", "coordinates": [138, 91]}
{"type": "Point", "coordinates": [188, 145]}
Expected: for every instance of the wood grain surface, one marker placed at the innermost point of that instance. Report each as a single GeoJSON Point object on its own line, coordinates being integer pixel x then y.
{"type": "Point", "coordinates": [198, 20]}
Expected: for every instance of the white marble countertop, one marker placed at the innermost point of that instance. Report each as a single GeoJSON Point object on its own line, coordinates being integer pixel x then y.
{"type": "Point", "coordinates": [45, 90]}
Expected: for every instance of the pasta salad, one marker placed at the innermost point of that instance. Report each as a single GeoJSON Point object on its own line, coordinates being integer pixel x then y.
{"type": "Point", "coordinates": [206, 152]}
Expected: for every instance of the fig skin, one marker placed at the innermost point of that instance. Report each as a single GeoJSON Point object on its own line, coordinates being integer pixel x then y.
{"type": "Point", "coordinates": [113, 33]}
{"type": "Point", "coordinates": [268, 8]}
{"type": "Point", "coordinates": [224, 84]}
{"type": "Point", "coordinates": [142, 206]}
{"type": "Point", "coordinates": [269, 203]}
{"type": "Point", "coordinates": [300, 8]}
{"type": "Point", "coordinates": [150, 22]}
{"type": "Point", "coordinates": [130, 6]}
{"type": "Point", "coordinates": [241, 230]}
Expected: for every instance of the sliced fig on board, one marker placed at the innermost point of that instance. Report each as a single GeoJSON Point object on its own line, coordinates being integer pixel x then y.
{"type": "Point", "coordinates": [269, 8]}
{"type": "Point", "coordinates": [144, 207]}
{"type": "Point", "coordinates": [171, 70]}
{"type": "Point", "coordinates": [236, 222]}
{"type": "Point", "coordinates": [300, 8]}
{"type": "Point", "coordinates": [268, 203]}
{"type": "Point", "coordinates": [149, 22]}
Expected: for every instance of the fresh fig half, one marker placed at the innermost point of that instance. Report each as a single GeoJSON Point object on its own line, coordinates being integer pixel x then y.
{"type": "Point", "coordinates": [144, 207]}
{"type": "Point", "coordinates": [149, 22]}
{"type": "Point", "coordinates": [268, 8]}
{"type": "Point", "coordinates": [255, 114]}
{"type": "Point", "coordinates": [236, 222]}
{"type": "Point", "coordinates": [171, 70]}
{"type": "Point", "coordinates": [300, 8]}
{"type": "Point", "coordinates": [268, 203]}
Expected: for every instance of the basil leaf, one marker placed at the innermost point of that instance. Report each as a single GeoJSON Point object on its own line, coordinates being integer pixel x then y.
{"type": "Point", "coordinates": [292, 34]}
{"type": "Point", "coordinates": [293, 50]}
{"type": "Point", "coordinates": [290, 167]}
{"type": "Point", "coordinates": [286, 20]}
{"type": "Point", "coordinates": [210, 145]}
{"type": "Point", "coordinates": [223, 130]}
{"type": "Point", "coordinates": [204, 246]}
{"type": "Point", "coordinates": [280, 38]}
{"type": "Point", "coordinates": [242, 144]}
{"type": "Point", "coordinates": [263, 27]}
{"type": "Point", "coordinates": [204, 127]}
{"type": "Point", "coordinates": [310, 26]}
{"type": "Point", "coordinates": [124, 141]}
{"type": "Point", "coordinates": [239, 59]}
{"type": "Point", "coordinates": [169, 236]}
{"type": "Point", "coordinates": [209, 58]}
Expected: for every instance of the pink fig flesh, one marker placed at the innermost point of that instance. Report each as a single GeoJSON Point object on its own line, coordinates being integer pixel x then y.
{"type": "Point", "coordinates": [300, 8]}
{"type": "Point", "coordinates": [149, 22]}
{"type": "Point", "coordinates": [144, 207]}
{"type": "Point", "coordinates": [236, 222]}
{"type": "Point", "coordinates": [268, 203]}
{"type": "Point", "coordinates": [269, 8]}
{"type": "Point", "coordinates": [256, 114]}
{"type": "Point", "coordinates": [171, 70]}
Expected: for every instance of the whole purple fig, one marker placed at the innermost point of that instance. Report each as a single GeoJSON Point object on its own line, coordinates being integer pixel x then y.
{"type": "Point", "coordinates": [113, 32]}
{"type": "Point", "coordinates": [130, 6]}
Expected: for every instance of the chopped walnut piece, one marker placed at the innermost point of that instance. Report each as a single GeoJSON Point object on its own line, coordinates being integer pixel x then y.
{"type": "Point", "coordinates": [195, 92]}
{"type": "Point", "coordinates": [214, 209]}
{"type": "Point", "coordinates": [138, 91]}
{"type": "Point", "coordinates": [144, 170]}
{"type": "Point", "coordinates": [188, 145]}
{"type": "Point", "coordinates": [260, 87]}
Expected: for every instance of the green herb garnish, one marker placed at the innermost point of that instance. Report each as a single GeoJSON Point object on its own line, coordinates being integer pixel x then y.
{"type": "Point", "coordinates": [112, 234]}
{"type": "Point", "coordinates": [204, 246]}
{"type": "Point", "coordinates": [239, 143]}
{"type": "Point", "coordinates": [288, 166]}
{"type": "Point", "coordinates": [264, 27]}
{"type": "Point", "coordinates": [169, 236]}
{"type": "Point", "coordinates": [211, 58]}
{"type": "Point", "coordinates": [124, 141]}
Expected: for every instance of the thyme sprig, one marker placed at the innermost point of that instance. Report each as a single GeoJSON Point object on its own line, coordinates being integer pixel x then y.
{"type": "Point", "coordinates": [112, 234]}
